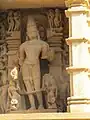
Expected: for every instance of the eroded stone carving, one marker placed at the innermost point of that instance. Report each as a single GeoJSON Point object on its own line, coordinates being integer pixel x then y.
{"type": "Point", "coordinates": [2, 31]}
{"type": "Point", "coordinates": [13, 96]}
{"type": "Point", "coordinates": [57, 18]}
{"type": "Point", "coordinates": [51, 18]}
{"type": "Point", "coordinates": [49, 85]}
{"type": "Point", "coordinates": [3, 78]}
{"type": "Point", "coordinates": [10, 21]}
{"type": "Point", "coordinates": [55, 21]}
{"type": "Point", "coordinates": [13, 20]}
{"type": "Point", "coordinates": [17, 21]}
{"type": "Point", "coordinates": [29, 62]}
{"type": "Point", "coordinates": [3, 61]}
{"type": "Point", "coordinates": [63, 92]}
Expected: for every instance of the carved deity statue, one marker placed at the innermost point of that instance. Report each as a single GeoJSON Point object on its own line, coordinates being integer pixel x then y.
{"type": "Point", "coordinates": [57, 18]}
{"type": "Point", "coordinates": [51, 18]}
{"type": "Point", "coordinates": [17, 21]}
{"type": "Point", "coordinates": [10, 21]}
{"type": "Point", "coordinates": [49, 85]}
{"type": "Point", "coordinates": [29, 61]}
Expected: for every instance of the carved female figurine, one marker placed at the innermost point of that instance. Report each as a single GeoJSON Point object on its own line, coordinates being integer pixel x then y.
{"type": "Point", "coordinates": [57, 18]}
{"type": "Point", "coordinates": [17, 21]}
{"type": "Point", "coordinates": [13, 96]}
{"type": "Point", "coordinates": [51, 18]}
{"type": "Point", "coordinates": [49, 85]}
{"type": "Point", "coordinates": [10, 21]}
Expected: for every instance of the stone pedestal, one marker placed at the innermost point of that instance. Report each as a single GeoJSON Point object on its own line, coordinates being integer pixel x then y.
{"type": "Point", "coordinates": [79, 56]}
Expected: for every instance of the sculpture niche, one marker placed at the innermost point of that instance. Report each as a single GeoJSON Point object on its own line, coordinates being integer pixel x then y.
{"type": "Point", "coordinates": [29, 61]}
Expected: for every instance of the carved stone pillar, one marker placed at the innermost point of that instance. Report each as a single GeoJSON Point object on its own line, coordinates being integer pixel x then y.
{"type": "Point", "coordinates": [55, 39]}
{"type": "Point", "coordinates": [79, 56]}
{"type": "Point", "coordinates": [13, 37]}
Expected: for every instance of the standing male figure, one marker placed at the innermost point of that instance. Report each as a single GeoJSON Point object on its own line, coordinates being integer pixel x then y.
{"type": "Point", "coordinates": [30, 52]}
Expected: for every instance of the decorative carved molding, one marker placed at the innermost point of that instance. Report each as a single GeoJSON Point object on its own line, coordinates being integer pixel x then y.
{"type": "Point", "coordinates": [72, 3]}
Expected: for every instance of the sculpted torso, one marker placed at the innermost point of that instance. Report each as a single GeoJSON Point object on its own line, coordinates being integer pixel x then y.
{"type": "Point", "coordinates": [32, 51]}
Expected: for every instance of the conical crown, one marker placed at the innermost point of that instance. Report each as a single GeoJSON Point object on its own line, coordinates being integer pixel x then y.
{"type": "Point", "coordinates": [31, 27]}
{"type": "Point", "coordinates": [31, 22]}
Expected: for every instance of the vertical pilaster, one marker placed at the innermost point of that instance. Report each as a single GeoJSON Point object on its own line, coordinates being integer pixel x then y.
{"type": "Point", "coordinates": [13, 37]}
{"type": "Point", "coordinates": [79, 57]}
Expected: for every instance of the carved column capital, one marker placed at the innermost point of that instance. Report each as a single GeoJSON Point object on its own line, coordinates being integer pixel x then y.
{"type": "Point", "coordinates": [71, 3]}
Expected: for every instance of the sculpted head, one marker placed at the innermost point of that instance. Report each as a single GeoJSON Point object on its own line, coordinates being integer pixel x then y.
{"type": "Point", "coordinates": [32, 31]}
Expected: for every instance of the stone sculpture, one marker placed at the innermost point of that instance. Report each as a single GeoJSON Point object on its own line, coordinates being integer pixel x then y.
{"type": "Point", "coordinates": [14, 97]}
{"type": "Point", "coordinates": [51, 18]}
{"type": "Point", "coordinates": [62, 94]}
{"type": "Point", "coordinates": [57, 18]}
{"type": "Point", "coordinates": [49, 85]}
{"type": "Point", "coordinates": [13, 21]}
{"type": "Point", "coordinates": [29, 62]}
{"type": "Point", "coordinates": [55, 21]}
{"type": "Point", "coordinates": [3, 62]}
{"type": "Point", "coordinates": [10, 21]}
{"type": "Point", "coordinates": [3, 78]}
{"type": "Point", "coordinates": [17, 21]}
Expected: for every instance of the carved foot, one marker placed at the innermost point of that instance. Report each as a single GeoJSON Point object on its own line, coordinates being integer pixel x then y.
{"type": "Point", "coordinates": [40, 107]}
{"type": "Point", "coordinates": [31, 108]}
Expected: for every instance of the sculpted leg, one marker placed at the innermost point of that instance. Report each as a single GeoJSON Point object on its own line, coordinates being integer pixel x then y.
{"type": "Point", "coordinates": [29, 89]}
{"type": "Point", "coordinates": [39, 94]}
{"type": "Point", "coordinates": [27, 77]}
{"type": "Point", "coordinates": [36, 79]}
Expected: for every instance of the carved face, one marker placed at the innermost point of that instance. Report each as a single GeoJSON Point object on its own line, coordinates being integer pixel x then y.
{"type": "Point", "coordinates": [57, 12]}
{"type": "Point", "coordinates": [16, 14]}
{"type": "Point", "coordinates": [10, 14]}
{"type": "Point", "coordinates": [51, 13]}
{"type": "Point", "coordinates": [32, 32]}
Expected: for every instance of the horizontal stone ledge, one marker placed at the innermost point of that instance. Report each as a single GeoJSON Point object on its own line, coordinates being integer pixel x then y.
{"type": "Point", "coordinates": [71, 40]}
{"type": "Point", "coordinates": [77, 69]}
{"type": "Point", "coordinates": [78, 100]}
{"type": "Point", "coordinates": [46, 116]}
